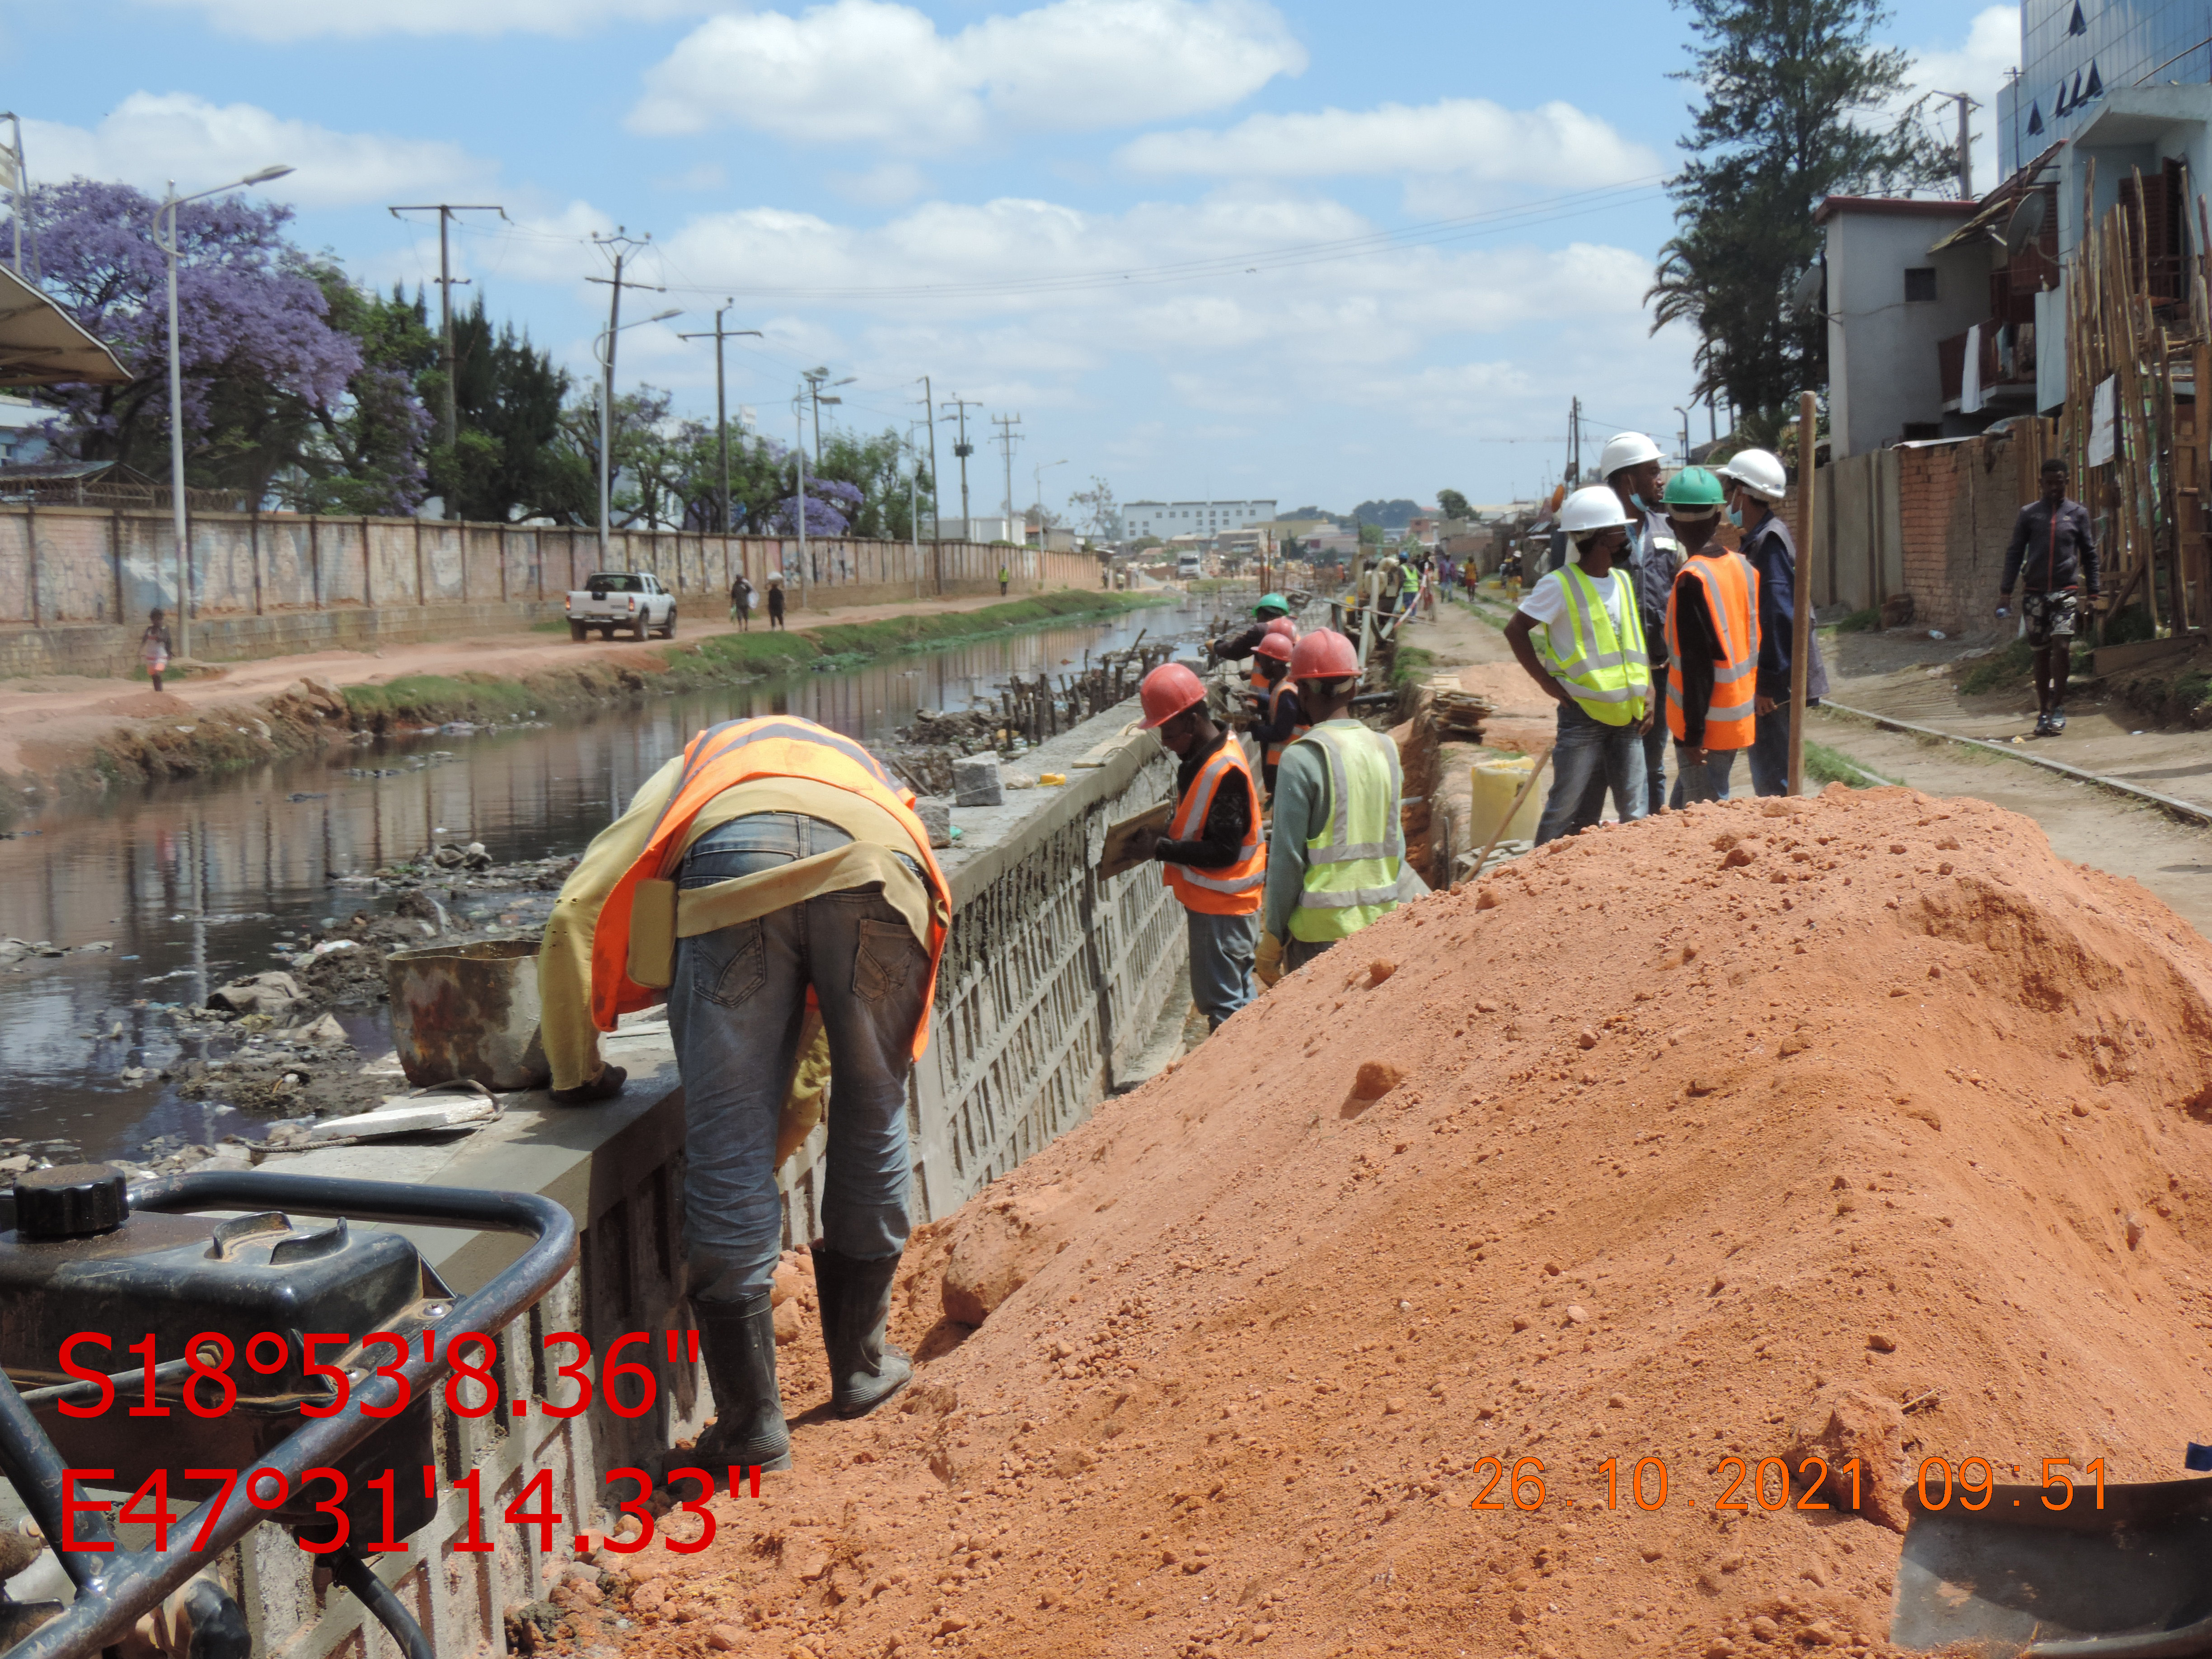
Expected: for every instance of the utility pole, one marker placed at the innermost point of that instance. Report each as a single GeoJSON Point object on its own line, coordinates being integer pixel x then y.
{"type": "Point", "coordinates": [936, 488]}
{"type": "Point", "coordinates": [799, 506]}
{"type": "Point", "coordinates": [447, 281]}
{"type": "Point", "coordinates": [623, 246]}
{"type": "Point", "coordinates": [1007, 439]}
{"type": "Point", "coordinates": [963, 449]}
{"type": "Point", "coordinates": [1966, 142]}
{"type": "Point", "coordinates": [722, 406]}
{"type": "Point", "coordinates": [814, 378]}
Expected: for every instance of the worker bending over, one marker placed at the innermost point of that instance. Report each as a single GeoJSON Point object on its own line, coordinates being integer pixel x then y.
{"type": "Point", "coordinates": [1712, 644]}
{"type": "Point", "coordinates": [1336, 847]}
{"type": "Point", "coordinates": [1280, 720]}
{"type": "Point", "coordinates": [1215, 860]}
{"type": "Point", "coordinates": [1591, 661]}
{"type": "Point", "coordinates": [1756, 482]}
{"type": "Point", "coordinates": [772, 868]}
{"type": "Point", "coordinates": [1235, 647]}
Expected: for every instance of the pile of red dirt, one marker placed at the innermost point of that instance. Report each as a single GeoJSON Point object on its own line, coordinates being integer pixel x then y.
{"type": "Point", "coordinates": [1859, 1125]}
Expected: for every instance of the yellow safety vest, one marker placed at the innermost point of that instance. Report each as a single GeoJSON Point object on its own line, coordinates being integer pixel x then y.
{"type": "Point", "coordinates": [1353, 865]}
{"type": "Point", "coordinates": [1609, 674]}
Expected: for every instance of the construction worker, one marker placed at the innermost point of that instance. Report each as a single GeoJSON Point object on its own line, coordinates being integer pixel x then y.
{"type": "Point", "coordinates": [2054, 547]}
{"type": "Point", "coordinates": [1712, 651]}
{"type": "Point", "coordinates": [1336, 848]}
{"type": "Point", "coordinates": [1215, 862]}
{"type": "Point", "coordinates": [1593, 664]}
{"type": "Point", "coordinates": [1235, 647]}
{"type": "Point", "coordinates": [1002, 581]}
{"type": "Point", "coordinates": [771, 878]}
{"type": "Point", "coordinates": [1281, 719]}
{"type": "Point", "coordinates": [1756, 482]}
{"type": "Point", "coordinates": [1631, 466]}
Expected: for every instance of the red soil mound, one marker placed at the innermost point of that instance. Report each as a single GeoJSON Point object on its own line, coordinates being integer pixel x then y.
{"type": "Point", "coordinates": [1695, 1140]}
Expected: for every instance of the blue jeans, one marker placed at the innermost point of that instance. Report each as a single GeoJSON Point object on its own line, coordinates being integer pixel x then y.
{"type": "Point", "coordinates": [735, 1010]}
{"type": "Point", "coordinates": [1221, 952]}
{"type": "Point", "coordinates": [1769, 752]}
{"type": "Point", "coordinates": [1655, 760]}
{"type": "Point", "coordinates": [1706, 782]}
{"type": "Point", "coordinates": [1587, 759]}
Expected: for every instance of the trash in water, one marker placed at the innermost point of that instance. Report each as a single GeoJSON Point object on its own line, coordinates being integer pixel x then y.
{"type": "Point", "coordinates": [1935, 634]}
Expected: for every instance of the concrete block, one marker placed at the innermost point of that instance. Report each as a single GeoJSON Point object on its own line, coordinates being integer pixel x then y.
{"type": "Point", "coordinates": [936, 816]}
{"type": "Point", "coordinates": [975, 781]}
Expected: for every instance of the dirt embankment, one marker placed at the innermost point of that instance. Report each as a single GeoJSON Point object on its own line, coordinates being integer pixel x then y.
{"type": "Point", "coordinates": [72, 736]}
{"type": "Point", "coordinates": [1859, 1124]}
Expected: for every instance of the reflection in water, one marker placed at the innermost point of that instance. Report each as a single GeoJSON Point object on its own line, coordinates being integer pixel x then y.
{"type": "Point", "coordinates": [196, 882]}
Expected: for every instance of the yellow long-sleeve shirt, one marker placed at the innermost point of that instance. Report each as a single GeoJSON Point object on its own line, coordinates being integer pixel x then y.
{"type": "Point", "coordinates": [564, 961]}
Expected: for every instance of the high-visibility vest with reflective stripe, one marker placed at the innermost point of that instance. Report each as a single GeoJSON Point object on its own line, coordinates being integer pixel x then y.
{"type": "Point", "coordinates": [1233, 889]}
{"type": "Point", "coordinates": [1353, 865]}
{"type": "Point", "coordinates": [1610, 672]}
{"type": "Point", "coordinates": [722, 757]}
{"type": "Point", "coordinates": [1731, 588]}
{"type": "Point", "coordinates": [1274, 754]}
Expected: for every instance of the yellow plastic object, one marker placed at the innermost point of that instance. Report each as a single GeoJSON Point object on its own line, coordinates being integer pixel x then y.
{"type": "Point", "coordinates": [1049, 779]}
{"type": "Point", "coordinates": [1496, 782]}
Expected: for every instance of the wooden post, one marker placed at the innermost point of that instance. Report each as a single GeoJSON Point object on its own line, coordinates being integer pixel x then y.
{"type": "Point", "coordinates": [253, 543]}
{"type": "Point", "coordinates": [1808, 417]}
{"type": "Point", "coordinates": [31, 556]}
{"type": "Point", "coordinates": [315, 556]}
{"type": "Point", "coordinates": [115, 558]}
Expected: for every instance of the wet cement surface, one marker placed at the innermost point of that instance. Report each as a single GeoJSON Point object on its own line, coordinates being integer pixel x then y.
{"type": "Point", "coordinates": [193, 883]}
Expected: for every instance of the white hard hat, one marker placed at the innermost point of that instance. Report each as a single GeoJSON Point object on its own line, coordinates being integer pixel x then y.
{"type": "Point", "coordinates": [1625, 449]}
{"type": "Point", "coordinates": [1591, 508]}
{"type": "Point", "coordinates": [1758, 470]}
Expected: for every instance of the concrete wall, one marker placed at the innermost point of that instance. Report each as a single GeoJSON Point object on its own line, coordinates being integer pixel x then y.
{"type": "Point", "coordinates": [1050, 988]}
{"type": "Point", "coordinates": [76, 583]}
{"type": "Point", "coordinates": [1882, 366]}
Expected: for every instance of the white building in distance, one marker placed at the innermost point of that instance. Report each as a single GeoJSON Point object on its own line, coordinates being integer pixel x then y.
{"type": "Point", "coordinates": [1167, 519]}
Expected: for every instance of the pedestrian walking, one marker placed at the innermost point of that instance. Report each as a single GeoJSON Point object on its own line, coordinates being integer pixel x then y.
{"type": "Point", "coordinates": [154, 646]}
{"type": "Point", "coordinates": [1592, 663]}
{"type": "Point", "coordinates": [771, 876]}
{"type": "Point", "coordinates": [741, 602]}
{"type": "Point", "coordinates": [2055, 551]}
{"type": "Point", "coordinates": [775, 602]}
{"type": "Point", "coordinates": [1756, 482]}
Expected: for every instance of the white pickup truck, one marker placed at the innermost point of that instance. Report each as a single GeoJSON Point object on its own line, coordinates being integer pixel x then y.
{"type": "Point", "coordinates": [632, 600]}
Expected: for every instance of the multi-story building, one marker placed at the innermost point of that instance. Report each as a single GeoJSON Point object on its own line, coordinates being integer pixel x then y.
{"type": "Point", "coordinates": [2074, 52]}
{"type": "Point", "coordinates": [1170, 518]}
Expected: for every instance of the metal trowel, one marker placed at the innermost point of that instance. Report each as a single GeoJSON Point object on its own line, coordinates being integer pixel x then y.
{"type": "Point", "coordinates": [2131, 1579]}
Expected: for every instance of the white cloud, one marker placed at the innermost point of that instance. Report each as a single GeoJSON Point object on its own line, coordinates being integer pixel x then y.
{"type": "Point", "coordinates": [1554, 144]}
{"type": "Point", "coordinates": [890, 184]}
{"type": "Point", "coordinates": [151, 138]}
{"type": "Point", "coordinates": [1978, 68]}
{"type": "Point", "coordinates": [303, 20]}
{"type": "Point", "coordinates": [870, 71]}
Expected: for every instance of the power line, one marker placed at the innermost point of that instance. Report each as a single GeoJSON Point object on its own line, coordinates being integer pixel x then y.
{"type": "Point", "coordinates": [1007, 438]}
{"type": "Point", "coordinates": [447, 280]}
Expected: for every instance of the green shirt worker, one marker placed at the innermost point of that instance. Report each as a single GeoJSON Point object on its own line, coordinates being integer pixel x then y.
{"type": "Point", "coordinates": [1336, 847]}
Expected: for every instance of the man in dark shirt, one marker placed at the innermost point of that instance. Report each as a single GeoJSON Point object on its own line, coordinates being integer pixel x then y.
{"type": "Point", "coordinates": [2054, 549]}
{"type": "Point", "coordinates": [1235, 647]}
{"type": "Point", "coordinates": [1769, 549]}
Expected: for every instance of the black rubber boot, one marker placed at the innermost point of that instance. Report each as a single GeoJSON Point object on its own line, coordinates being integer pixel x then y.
{"type": "Point", "coordinates": [738, 1341]}
{"type": "Point", "coordinates": [864, 1371]}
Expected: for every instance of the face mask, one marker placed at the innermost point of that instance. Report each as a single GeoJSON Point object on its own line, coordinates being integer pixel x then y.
{"type": "Point", "coordinates": [1642, 506]}
{"type": "Point", "coordinates": [1736, 517]}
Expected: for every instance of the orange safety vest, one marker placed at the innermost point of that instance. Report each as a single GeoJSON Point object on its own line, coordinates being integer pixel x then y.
{"type": "Point", "coordinates": [722, 757]}
{"type": "Point", "coordinates": [1273, 753]}
{"type": "Point", "coordinates": [1732, 596]}
{"type": "Point", "coordinates": [1234, 889]}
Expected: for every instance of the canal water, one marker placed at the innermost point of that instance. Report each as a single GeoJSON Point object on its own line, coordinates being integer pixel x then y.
{"type": "Point", "coordinates": [193, 884]}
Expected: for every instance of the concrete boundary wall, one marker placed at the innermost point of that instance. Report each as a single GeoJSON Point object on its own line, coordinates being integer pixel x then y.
{"type": "Point", "coordinates": [1052, 984]}
{"type": "Point", "coordinates": [76, 583]}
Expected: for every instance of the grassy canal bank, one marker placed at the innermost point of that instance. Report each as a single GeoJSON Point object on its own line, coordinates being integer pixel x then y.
{"type": "Point", "coordinates": [312, 714]}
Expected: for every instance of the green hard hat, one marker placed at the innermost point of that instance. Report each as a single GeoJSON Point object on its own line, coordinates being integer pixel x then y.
{"type": "Point", "coordinates": [1694, 486]}
{"type": "Point", "coordinates": [1274, 602]}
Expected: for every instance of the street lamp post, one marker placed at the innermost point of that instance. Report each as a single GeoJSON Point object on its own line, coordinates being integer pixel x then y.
{"type": "Point", "coordinates": [167, 243]}
{"type": "Point", "coordinates": [1685, 414]}
{"type": "Point", "coordinates": [606, 353]}
{"type": "Point", "coordinates": [815, 378]}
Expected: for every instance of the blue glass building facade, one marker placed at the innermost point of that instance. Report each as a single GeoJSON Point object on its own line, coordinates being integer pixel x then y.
{"type": "Point", "coordinates": [2074, 52]}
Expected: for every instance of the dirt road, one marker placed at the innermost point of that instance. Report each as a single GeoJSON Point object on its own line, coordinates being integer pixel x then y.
{"type": "Point", "coordinates": [60, 715]}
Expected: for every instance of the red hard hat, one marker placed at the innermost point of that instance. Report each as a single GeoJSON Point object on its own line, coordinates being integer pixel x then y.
{"type": "Point", "coordinates": [1167, 691]}
{"type": "Point", "coordinates": [1323, 654]}
{"type": "Point", "coordinates": [1273, 645]}
{"type": "Point", "coordinates": [1284, 626]}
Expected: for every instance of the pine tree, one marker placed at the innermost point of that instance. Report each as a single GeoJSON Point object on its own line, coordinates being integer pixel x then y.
{"type": "Point", "coordinates": [1788, 86]}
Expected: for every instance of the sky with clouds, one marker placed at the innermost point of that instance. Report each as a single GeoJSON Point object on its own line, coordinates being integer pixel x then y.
{"type": "Point", "coordinates": [1203, 247]}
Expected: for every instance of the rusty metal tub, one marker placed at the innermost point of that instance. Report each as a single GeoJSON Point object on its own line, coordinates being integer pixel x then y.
{"type": "Point", "coordinates": [468, 1012]}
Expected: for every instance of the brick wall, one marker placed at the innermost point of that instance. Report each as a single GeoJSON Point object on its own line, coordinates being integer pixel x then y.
{"type": "Point", "coordinates": [1956, 503]}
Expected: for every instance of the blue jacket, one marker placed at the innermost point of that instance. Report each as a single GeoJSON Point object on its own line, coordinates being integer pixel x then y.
{"type": "Point", "coordinates": [1773, 554]}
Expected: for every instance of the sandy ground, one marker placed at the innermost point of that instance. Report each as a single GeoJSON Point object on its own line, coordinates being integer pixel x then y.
{"type": "Point", "coordinates": [53, 714]}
